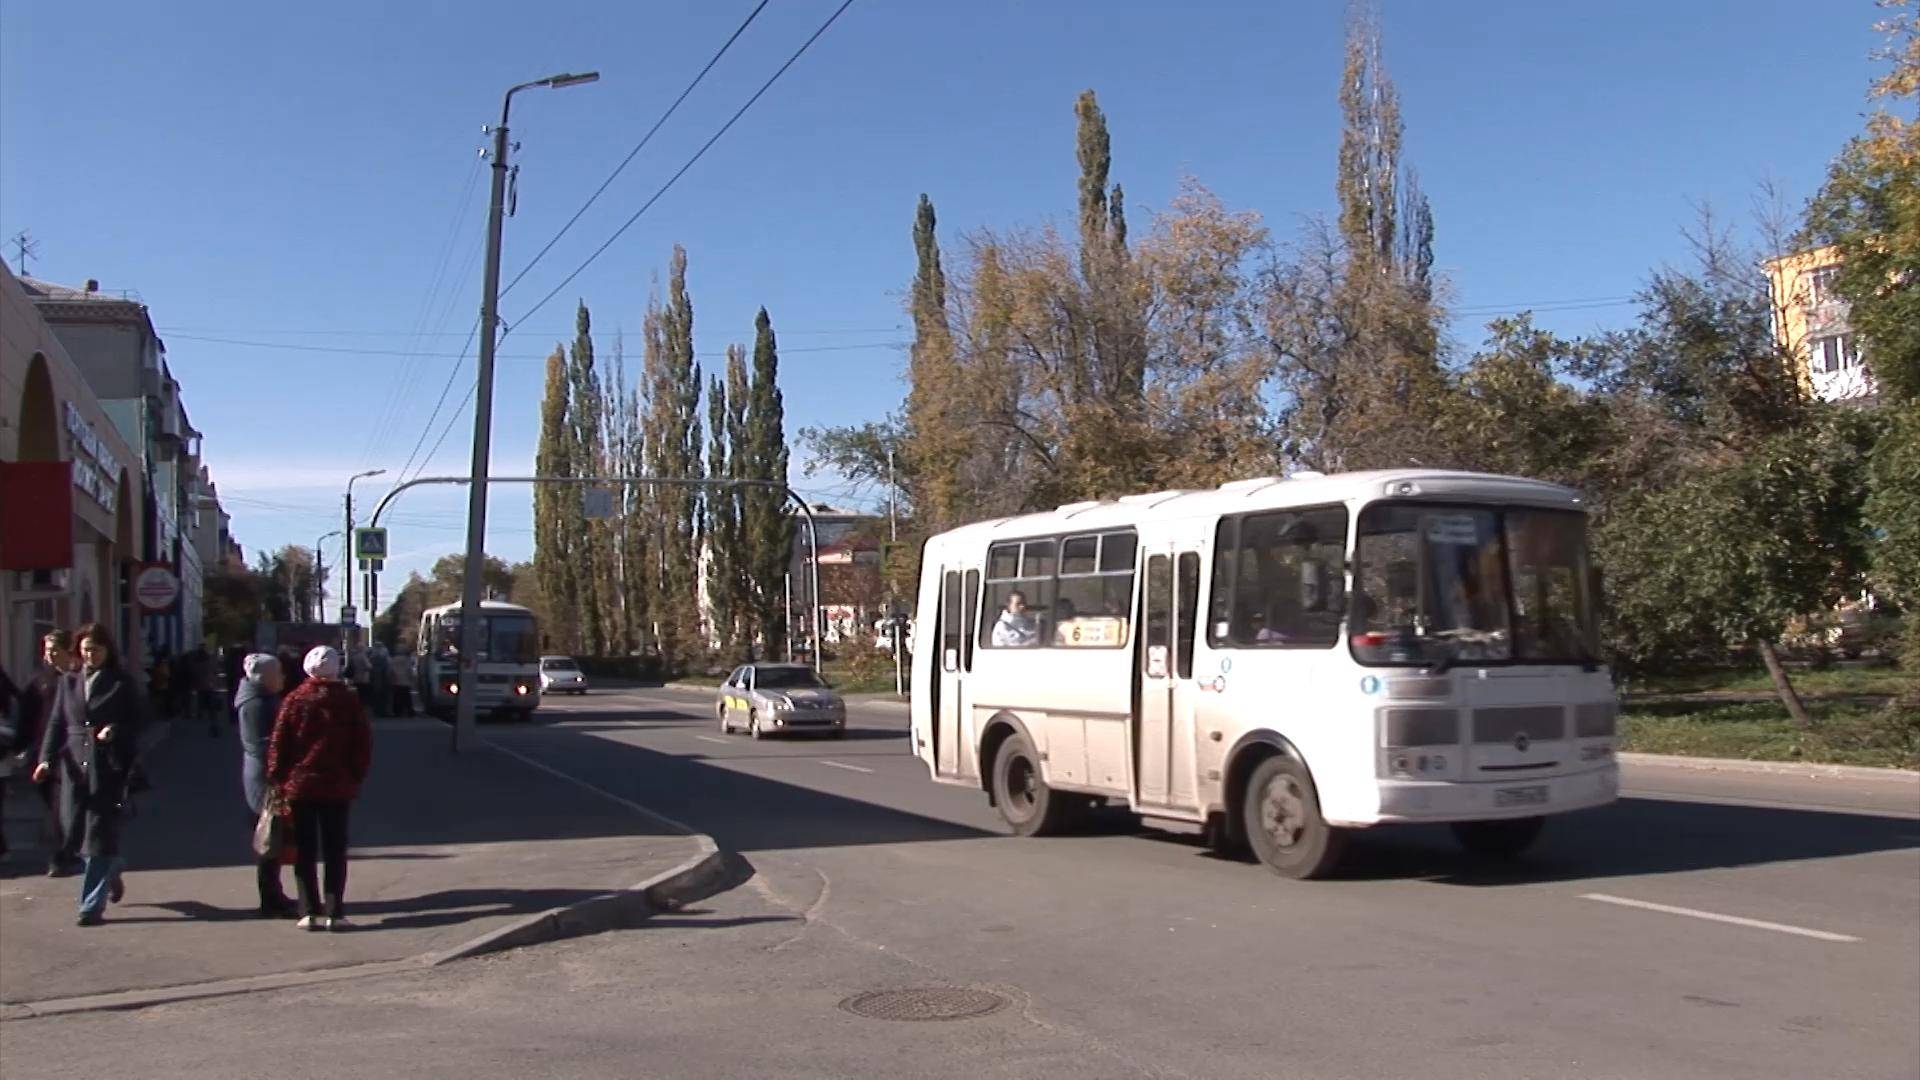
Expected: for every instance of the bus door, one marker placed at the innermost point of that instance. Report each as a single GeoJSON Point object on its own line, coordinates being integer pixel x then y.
{"type": "Point", "coordinates": [1164, 719]}
{"type": "Point", "coordinates": [952, 724]}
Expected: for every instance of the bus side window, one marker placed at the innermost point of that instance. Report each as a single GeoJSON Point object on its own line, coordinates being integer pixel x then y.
{"type": "Point", "coordinates": [1187, 610]}
{"type": "Point", "coordinates": [950, 627]}
{"type": "Point", "coordinates": [970, 622]}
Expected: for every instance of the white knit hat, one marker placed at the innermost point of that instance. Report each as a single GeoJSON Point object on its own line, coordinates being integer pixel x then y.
{"type": "Point", "coordinates": [323, 662]}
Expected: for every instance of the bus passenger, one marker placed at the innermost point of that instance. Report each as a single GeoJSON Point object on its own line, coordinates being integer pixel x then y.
{"type": "Point", "coordinates": [1016, 628]}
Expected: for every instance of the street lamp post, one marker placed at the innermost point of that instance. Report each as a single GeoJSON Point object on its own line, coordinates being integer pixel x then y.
{"type": "Point", "coordinates": [470, 592]}
{"type": "Point", "coordinates": [319, 570]}
{"type": "Point", "coordinates": [346, 563]}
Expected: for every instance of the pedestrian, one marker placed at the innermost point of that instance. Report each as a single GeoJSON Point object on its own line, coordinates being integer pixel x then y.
{"type": "Point", "coordinates": [9, 738]}
{"type": "Point", "coordinates": [402, 678]}
{"type": "Point", "coordinates": [380, 680]}
{"type": "Point", "coordinates": [33, 713]}
{"type": "Point", "coordinates": [257, 703]}
{"type": "Point", "coordinates": [160, 684]}
{"type": "Point", "coordinates": [206, 688]}
{"type": "Point", "coordinates": [92, 740]}
{"type": "Point", "coordinates": [291, 668]}
{"type": "Point", "coordinates": [317, 759]}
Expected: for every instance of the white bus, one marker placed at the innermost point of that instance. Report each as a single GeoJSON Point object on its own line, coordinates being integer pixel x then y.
{"type": "Point", "coordinates": [1279, 660]}
{"type": "Point", "coordinates": [507, 670]}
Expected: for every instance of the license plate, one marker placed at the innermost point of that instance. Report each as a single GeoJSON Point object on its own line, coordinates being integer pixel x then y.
{"type": "Point", "coordinates": [1531, 795]}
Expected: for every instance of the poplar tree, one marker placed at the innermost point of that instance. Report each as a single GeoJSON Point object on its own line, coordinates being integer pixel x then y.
{"type": "Point", "coordinates": [723, 525]}
{"type": "Point", "coordinates": [553, 517]}
{"type": "Point", "coordinates": [594, 587]}
{"type": "Point", "coordinates": [769, 532]}
{"type": "Point", "coordinates": [673, 450]}
{"type": "Point", "coordinates": [936, 436]}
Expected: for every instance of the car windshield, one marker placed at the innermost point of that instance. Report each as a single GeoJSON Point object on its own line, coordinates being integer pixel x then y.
{"type": "Point", "coordinates": [1437, 584]}
{"type": "Point", "coordinates": [561, 664]}
{"type": "Point", "coordinates": [787, 678]}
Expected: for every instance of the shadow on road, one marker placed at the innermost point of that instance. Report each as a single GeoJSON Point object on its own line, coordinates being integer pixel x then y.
{"type": "Point", "coordinates": [742, 812]}
{"type": "Point", "coordinates": [1632, 838]}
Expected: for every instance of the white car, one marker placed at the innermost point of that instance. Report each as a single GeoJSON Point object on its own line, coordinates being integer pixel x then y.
{"type": "Point", "coordinates": [561, 675]}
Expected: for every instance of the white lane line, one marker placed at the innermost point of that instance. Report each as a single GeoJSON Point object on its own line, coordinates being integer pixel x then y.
{"type": "Point", "coordinates": [1713, 916]}
{"type": "Point", "coordinates": [840, 765]}
{"type": "Point", "coordinates": [714, 738]}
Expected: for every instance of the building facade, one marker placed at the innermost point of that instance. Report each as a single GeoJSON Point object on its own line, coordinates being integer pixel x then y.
{"type": "Point", "coordinates": [72, 497]}
{"type": "Point", "coordinates": [1810, 318]}
{"type": "Point", "coordinates": [111, 341]}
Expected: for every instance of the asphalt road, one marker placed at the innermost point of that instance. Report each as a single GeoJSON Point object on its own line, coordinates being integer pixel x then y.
{"type": "Point", "coordinates": [1708, 925]}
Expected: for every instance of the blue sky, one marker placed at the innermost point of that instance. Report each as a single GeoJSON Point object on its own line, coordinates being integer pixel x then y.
{"type": "Point", "coordinates": [294, 176]}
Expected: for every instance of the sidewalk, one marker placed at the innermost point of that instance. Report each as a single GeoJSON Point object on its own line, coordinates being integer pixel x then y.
{"type": "Point", "coordinates": [446, 850]}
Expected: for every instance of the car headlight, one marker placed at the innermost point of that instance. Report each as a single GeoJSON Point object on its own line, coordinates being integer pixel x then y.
{"type": "Point", "coordinates": [782, 705]}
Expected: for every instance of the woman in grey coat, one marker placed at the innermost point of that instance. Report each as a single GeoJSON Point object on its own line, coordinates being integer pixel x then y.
{"type": "Point", "coordinates": [92, 738]}
{"type": "Point", "coordinates": [257, 703]}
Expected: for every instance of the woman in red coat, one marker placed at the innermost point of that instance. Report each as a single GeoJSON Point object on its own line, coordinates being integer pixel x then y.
{"type": "Point", "coordinates": [322, 747]}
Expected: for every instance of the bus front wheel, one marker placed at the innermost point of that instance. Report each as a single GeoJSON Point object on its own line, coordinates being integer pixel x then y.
{"type": "Point", "coordinates": [1283, 822]}
{"type": "Point", "coordinates": [1030, 807]}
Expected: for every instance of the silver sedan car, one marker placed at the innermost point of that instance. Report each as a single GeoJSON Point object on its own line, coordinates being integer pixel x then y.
{"type": "Point", "coordinates": [779, 699]}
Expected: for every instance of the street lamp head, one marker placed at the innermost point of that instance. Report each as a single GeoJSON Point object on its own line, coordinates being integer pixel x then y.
{"type": "Point", "coordinates": [558, 81]}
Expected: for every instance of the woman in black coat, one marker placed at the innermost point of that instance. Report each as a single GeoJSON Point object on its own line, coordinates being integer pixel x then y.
{"type": "Point", "coordinates": [91, 739]}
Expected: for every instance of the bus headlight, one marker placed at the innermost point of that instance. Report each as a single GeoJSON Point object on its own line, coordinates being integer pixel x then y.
{"type": "Point", "coordinates": [453, 688]}
{"type": "Point", "coordinates": [522, 689]}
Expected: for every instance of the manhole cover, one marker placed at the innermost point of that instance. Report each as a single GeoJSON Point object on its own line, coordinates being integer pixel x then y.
{"type": "Point", "coordinates": [929, 1003]}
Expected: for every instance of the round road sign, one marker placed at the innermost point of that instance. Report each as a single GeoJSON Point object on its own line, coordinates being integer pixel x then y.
{"type": "Point", "coordinates": [156, 587]}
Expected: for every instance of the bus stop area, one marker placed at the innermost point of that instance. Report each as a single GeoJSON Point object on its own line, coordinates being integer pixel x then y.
{"type": "Point", "coordinates": [452, 854]}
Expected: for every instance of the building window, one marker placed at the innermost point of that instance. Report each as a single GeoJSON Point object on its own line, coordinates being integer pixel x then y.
{"type": "Point", "coordinates": [1821, 285]}
{"type": "Point", "coordinates": [1835, 353]}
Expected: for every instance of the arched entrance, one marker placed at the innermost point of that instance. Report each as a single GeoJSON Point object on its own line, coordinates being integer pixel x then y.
{"type": "Point", "coordinates": [39, 425]}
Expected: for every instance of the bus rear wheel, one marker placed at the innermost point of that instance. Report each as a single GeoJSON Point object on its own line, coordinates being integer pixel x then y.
{"type": "Point", "coordinates": [1498, 839]}
{"type": "Point", "coordinates": [1283, 823]}
{"type": "Point", "coordinates": [1024, 800]}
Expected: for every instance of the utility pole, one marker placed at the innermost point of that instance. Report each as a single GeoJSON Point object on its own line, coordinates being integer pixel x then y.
{"type": "Point", "coordinates": [320, 570]}
{"type": "Point", "coordinates": [893, 501]}
{"type": "Point", "coordinates": [346, 559]}
{"type": "Point", "coordinates": [476, 559]}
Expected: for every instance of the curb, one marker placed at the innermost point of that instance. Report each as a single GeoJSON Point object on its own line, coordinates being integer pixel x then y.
{"type": "Point", "coordinates": [1771, 768]}
{"type": "Point", "coordinates": [710, 872]}
{"type": "Point", "coordinates": [696, 879]}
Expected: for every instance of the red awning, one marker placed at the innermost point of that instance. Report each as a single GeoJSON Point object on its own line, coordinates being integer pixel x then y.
{"type": "Point", "coordinates": [36, 515]}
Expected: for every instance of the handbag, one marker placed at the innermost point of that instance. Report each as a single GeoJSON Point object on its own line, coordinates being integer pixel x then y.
{"type": "Point", "coordinates": [270, 831]}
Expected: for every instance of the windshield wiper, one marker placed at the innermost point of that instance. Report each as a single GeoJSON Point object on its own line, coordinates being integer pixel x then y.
{"type": "Point", "coordinates": [1450, 654]}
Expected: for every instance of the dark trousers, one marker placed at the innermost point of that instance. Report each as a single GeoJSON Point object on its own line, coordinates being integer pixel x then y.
{"type": "Point", "coordinates": [320, 835]}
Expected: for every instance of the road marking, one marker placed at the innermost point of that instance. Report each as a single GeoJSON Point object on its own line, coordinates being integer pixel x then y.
{"type": "Point", "coordinates": [714, 738]}
{"type": "Point", "coordinates": [840, 765]}
{"type": "Point", "coordinates": [1711, 916]}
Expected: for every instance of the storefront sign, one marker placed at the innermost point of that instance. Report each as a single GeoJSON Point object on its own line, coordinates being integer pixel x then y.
{"type": "Point", "coordinates": [95, 470]}
{"type": "Point", "coordinates": [155, 587]}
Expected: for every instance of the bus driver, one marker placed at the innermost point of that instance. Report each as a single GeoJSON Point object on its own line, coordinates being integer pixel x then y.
{"type": "Point", "coordinates": [1016, 628]}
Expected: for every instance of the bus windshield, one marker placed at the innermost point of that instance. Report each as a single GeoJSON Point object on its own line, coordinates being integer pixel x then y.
{"type": "Point", "coordinates": [505, 639]}
{"type": "Point", "coordinates": [1444, 584]}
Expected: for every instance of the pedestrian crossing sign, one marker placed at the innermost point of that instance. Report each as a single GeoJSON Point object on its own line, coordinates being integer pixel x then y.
{"type": "Point", "coordinates": [370, 543]}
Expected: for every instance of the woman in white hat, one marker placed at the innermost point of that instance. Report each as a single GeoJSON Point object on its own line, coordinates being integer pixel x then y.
{"type": "Point", "coordinates": [317, 759]}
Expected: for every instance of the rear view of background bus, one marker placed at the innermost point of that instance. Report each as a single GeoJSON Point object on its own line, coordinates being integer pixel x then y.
{"type": "Point", "coordinates": [507, 671]}
{"type": "Point", "coordinates": [1281, 661]}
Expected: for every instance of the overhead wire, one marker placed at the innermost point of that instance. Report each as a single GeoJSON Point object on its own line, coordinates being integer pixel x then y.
{"type": "Point", "coordinates": [639, 146]}
{"type": "Point", "coordinates": [657, 195]}
{"type": "Point", "coordinates": [691, 162]}
{"type": "Point", "coordinates": [389, 412]}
